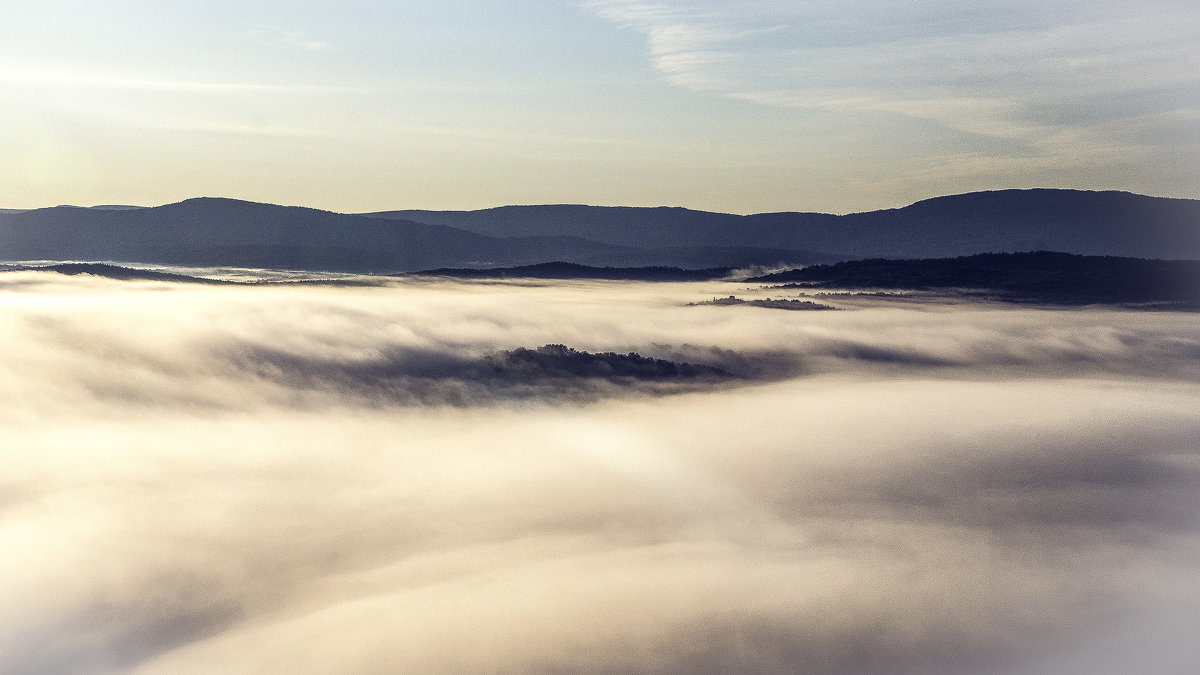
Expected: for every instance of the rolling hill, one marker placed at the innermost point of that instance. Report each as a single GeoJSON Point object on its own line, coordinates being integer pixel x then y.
{"type": "Point", "coordinates": [209, 231]}
{"type": "Point", "coordinates": [1040, 276]}
{"type": "Point", "coordinates": [227, 232]}
{"type": "Point", "coordinates": [1072, 221]}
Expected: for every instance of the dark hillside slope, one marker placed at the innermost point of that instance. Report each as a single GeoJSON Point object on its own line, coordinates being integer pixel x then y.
{"type": "Point", "coordinates": [658, 227]}
{"type": "Point", "coordinates": [228, 232]}
{"type": "Point", "coordinates": [1089, 223]}
{"type": "Point", "coordinates": [563, 270]}
{"type": "Point", "coordinates": [1075, 221]}
{"type": "Point", "coordinates": [209, 231]}
{"type": "Point", "coordinates": [1040, 275]}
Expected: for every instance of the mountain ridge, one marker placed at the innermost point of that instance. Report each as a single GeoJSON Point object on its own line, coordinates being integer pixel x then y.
{"type": "Point", "coordinates": [232, 232]}
{"type": "Point", "coordinates": [997, 220]}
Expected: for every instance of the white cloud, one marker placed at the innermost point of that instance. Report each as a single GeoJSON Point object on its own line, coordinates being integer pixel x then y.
{"type": "Point", "coordinates": [983, 70]}
{"type": "Point", "coordinates": [219, 479]}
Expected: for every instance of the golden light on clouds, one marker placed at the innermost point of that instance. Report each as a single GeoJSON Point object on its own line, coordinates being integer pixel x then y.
{"type": "Point", "coordinates": [303, 477]}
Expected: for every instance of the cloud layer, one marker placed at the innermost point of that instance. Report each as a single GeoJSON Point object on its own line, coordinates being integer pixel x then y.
{"type": "Point", "coordinates": [1033, 86]}
{"type": "Point", "coordinates": [206, 479]}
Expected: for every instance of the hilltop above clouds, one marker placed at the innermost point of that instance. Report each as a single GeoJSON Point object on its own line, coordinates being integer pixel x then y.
{"type": "Point", "coordinates": [208, 231]}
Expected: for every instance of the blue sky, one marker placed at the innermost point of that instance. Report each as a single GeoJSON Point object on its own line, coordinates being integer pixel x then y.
{"type": "Point", "coordinates": [758, 105]}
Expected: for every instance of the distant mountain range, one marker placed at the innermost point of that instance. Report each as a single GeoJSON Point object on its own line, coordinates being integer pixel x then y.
{"type": "Point", "coordinates": [226, 232]}
{"type": "Point", "coordinates": [562, 270]}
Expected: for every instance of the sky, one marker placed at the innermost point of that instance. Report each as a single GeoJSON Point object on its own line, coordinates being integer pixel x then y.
{"type": "Point", "coordinates": [749, 106]}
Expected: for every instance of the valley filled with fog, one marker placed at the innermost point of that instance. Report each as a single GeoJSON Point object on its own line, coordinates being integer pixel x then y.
{"type": "Point", "coordinates": [354, 477]}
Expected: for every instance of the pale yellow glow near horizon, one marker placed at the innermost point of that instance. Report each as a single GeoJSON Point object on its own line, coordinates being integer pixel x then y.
{"type": "Point", "coordinates": [739, 108]}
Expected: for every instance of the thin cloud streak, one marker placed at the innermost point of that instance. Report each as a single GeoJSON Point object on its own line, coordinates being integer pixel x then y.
{"type": "Point", "coordinates": [981, 74]}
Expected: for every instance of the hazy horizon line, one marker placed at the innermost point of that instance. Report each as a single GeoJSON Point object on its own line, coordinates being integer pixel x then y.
{"type": "Point", "coordinates": [119, 206]}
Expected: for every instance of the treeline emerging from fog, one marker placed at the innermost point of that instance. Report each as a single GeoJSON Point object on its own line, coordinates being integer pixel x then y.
{"type": "Point", "coordinates": [560, 361]}
{"type": "Point", "coordinates": [769, 303]}
{"type": "Point", "coordinates": [1035, 276]}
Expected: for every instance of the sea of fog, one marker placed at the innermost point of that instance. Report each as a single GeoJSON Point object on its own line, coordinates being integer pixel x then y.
{"type": "Point", "coordinates": [310, 478]}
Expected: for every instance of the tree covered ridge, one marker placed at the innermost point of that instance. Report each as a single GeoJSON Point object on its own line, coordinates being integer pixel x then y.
{"type": "Point", "coordinates": [561, 361]}
{"type": "Point", "coordinates": [1037, 275]}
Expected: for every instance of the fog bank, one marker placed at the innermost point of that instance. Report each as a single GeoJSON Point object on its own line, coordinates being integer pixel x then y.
{"type": "Point", "coordinates": [315, 479]}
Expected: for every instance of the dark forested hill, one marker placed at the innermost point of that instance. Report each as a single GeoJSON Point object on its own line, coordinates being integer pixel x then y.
{"type": "Point", "coordinates": [1040, 275]}
{"type": "Point", "coordinates": [209, 231]}
{"type": "Point", "coordinates": [660, 227]}
{"type": "Point", "coordinates": [228, 232]}
{"type": "Point", "coordinates": [562, 270]}
{"type": "Point", "coordinates": [1089, 223]}
{"type": "Point", "coordinates": [1075, 221]}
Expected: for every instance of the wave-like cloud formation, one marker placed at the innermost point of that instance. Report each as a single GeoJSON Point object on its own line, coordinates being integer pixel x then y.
{"type": "Point", "coordinates": [245, 479]}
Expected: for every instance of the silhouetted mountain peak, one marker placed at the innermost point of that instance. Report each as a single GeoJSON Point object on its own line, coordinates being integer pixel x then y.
{"type": "Point", "coordinates": [231, 204]}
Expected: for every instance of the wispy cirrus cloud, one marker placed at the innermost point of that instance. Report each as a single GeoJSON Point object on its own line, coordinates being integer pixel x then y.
{"type": "Point", "coordinates": [1023, 73]}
